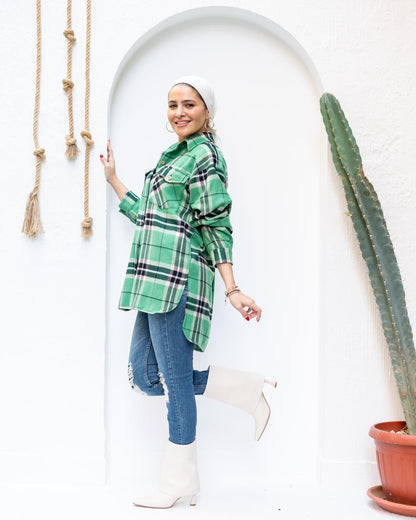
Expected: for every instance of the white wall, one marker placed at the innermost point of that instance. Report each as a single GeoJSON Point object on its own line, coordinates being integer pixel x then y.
{"type": "Point", "coordinates": [62, 368]}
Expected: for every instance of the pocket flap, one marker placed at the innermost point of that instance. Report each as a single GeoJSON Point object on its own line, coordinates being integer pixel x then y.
{"type": "Point", "coordinates": [175, 176]}
{"type": "Point", "coordinates": [172, 174]}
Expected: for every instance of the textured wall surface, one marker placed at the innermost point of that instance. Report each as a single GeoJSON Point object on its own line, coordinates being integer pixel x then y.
{"type": "Point", "coordinates": [52, 370]}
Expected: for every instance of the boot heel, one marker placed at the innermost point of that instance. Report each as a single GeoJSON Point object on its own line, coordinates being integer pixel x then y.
{"type": "Point", "coordinates": [273, 383]}
{"type": "Point", "coordinates": [193, 501]}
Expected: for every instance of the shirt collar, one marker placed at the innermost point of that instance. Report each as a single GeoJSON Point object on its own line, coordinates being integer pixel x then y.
{"type": "Point", "coordinates": [193, 140]}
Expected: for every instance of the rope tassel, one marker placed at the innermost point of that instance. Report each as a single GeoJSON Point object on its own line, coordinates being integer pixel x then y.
{"type": "Point", "coordinates": [87, 227]}
{"type": "Point", "coordinates": [31, 222]}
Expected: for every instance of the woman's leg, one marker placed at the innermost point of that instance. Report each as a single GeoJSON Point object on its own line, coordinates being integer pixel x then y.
{"type": "Point", "coordinates": [142, 366]}
{"type": "Point", "coordinates": [174, 355]}
{"type": "Point", "coordinates": [143, 369]}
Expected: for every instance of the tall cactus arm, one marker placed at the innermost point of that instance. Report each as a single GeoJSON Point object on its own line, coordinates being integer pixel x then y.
{"type": "Point", "coordinates": [360, 225]}
{"type": "Point", "coordinates": [377, 250]}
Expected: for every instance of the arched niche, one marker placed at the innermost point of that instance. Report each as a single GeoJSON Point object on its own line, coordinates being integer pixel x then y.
{"type": "Point", "coordinates": [272, 136]}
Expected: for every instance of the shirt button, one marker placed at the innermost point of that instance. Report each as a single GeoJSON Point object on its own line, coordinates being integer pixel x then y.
{"type": "Point", "coordinates": [162, 162]}
{"type": "Point", "coordinates": [141, 222]}
{"type": "Point", "coordinates": [169, 177]}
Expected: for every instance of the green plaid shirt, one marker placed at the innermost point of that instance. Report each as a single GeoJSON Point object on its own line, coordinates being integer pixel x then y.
{"type": "Point", "coordinates": [182, 231]}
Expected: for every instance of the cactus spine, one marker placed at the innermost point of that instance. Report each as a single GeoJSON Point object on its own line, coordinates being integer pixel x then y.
{"type": "Point", "coordinates": [377, 250]}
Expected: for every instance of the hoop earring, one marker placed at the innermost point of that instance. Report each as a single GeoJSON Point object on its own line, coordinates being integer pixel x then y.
{"type": "Point", "coordinates": [170, 131]}
{"type": "Point", "coordinates": [209, 124]}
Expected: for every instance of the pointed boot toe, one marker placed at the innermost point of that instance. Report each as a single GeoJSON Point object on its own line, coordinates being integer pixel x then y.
{"type": "Point", "coordinates": [159, 500]}
{"type": "Point", "coordinates": [179, 477]}
{"type": "Point", "coordinates": [241, 389]}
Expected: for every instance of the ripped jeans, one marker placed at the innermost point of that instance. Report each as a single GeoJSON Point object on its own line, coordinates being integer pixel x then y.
{"type": "Point", "coordinates": [161, 363]}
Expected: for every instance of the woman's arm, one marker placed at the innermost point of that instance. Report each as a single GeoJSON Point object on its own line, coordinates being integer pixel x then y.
{"type": "Point", "coordinates": [110, 173]}
{"type": "Point", "coordinates": [211, 206]}
{"type": "Point", "coordinates": [226, 271]}
{"type": "Point", "coordinates": [238, 300]}
{"type": "Point", "coordinates": [118, 186]}
{"type": "Point", "coordinates": [129, 201]}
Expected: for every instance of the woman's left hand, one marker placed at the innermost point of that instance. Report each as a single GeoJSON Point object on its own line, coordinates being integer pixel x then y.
{"type": "Point", "coordinates": [240, 301]}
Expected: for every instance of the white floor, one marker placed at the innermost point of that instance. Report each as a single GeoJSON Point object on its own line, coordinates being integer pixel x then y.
{"type": "Point", "coordinates": [105, 502]}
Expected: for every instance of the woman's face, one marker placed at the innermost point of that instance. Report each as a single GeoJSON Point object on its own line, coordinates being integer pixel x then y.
{"type": "Point", "coordinates": [186, 111]}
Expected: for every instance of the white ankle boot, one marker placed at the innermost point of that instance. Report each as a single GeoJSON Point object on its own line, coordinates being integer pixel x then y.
{"type": "Point", "coordinates": [179, 477]}
{"type": "Point", "coordinates": [243, 390]}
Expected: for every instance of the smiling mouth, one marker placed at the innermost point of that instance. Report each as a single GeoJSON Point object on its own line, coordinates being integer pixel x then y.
{"type": "Point", "coordinates": [182, 123]}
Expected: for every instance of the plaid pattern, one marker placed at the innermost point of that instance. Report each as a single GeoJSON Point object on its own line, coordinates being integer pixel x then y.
{"type": "Point", "coordinates": [182, 231]}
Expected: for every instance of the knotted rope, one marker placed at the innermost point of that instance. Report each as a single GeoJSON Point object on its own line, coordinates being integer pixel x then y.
{"type": "Point", "coordinates": [86, 224]}
{"type": "Point", "coordinates": [32, 223]}
{"type": "Point", "coordinates": [71, 142]}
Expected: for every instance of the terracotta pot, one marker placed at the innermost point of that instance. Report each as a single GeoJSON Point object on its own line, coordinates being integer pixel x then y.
{"type": "Point", "coordinates": [396, 459]}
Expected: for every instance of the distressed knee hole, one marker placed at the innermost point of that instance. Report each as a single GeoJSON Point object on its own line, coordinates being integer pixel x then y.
{"type": "Point", "coordinates": [131, 380]}
{"type": "Point", "coordinates": [165, 388]}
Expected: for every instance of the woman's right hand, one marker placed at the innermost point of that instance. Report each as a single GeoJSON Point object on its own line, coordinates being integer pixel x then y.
{"type": "Point", "coordinates": [109, 164]}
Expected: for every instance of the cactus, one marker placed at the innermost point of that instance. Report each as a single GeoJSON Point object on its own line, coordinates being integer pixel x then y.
{"type": "Point", "coordinates": [377, 250]}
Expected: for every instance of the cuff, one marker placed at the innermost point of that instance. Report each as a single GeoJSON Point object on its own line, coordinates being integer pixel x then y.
{"type": "Point", "coordinates": [129, 205]}
{"type": "Point", "coordinates": [222, 254]}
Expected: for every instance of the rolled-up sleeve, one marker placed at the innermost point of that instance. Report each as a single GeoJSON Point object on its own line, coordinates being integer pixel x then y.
{"type": "Point", "coordinates": [211, 206]}
{"type": "Point", "coordinates": [129, 206]}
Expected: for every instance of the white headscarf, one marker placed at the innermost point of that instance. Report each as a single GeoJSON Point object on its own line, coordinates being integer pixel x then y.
{"type": "Point", "coordinates": [203, 87]}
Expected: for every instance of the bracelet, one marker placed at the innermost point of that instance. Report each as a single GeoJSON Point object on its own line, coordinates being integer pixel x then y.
{"type": "Point", "coordinates": [230, 288]}
{"type": "Point", "coordinates": [230, 291]}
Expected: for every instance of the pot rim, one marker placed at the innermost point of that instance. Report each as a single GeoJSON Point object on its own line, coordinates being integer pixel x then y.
{"type": "Point", "coordinates": [381, 432]}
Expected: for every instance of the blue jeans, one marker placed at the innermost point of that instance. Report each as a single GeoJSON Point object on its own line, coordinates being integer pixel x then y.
{"type": "Point", "coordinates": [161, 363]}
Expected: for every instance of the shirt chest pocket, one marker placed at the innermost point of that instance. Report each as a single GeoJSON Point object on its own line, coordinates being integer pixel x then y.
{"type": "Point", "coordinates": [169, 188]}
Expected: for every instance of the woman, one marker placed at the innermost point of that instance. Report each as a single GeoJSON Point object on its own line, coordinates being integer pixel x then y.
{"type": "Point", "coordinates": [183, 232]}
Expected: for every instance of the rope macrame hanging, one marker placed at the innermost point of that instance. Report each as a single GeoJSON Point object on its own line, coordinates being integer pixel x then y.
{"type": "Point", "coordinates": [32, 223]}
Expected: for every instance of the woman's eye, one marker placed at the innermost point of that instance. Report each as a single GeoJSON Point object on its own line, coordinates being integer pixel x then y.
{"type": "Point", "coordinates": [190, 105]}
